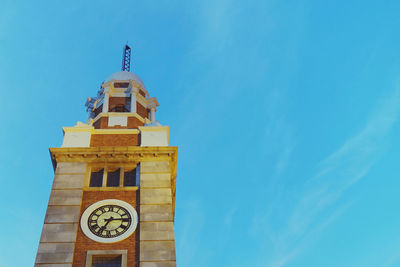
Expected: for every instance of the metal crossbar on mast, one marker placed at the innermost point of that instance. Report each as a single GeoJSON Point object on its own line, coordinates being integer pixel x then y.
{"type": "Point", "coordinates": [126, 59]}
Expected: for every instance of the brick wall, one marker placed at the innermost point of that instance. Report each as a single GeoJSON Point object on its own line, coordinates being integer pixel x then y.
{"type": "Point", "coordinates": [141, 110]}
{"type": "Point", "coordinates": [98, 140]}
{"type": "Point", "coordinates": [115, 101]}
{"type": "Point", "coordinates": [134, 123]}
{"type": "Point", "coordinates": [83, 243]}
{"type": "Point", "coordinates": [142, 93]}
{"type": "Point", "coordinates": [102, 123]}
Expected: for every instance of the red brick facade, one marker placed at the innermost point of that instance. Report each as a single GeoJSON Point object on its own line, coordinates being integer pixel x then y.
{"type": "Point", "coordinates": [99, 140]}
{"type": "Point", "coordinates": [134, 123]}
{"type": "Point", "coordinates": [141, 110]}
{"type": "Point", "coordinates": [142, 93]}
{"type": "Point", "coordinates": [117, 101]}
{"type": "Point", "coordinates": [84, 244]}
{"type": "Point", "coordinates": [102, 123]}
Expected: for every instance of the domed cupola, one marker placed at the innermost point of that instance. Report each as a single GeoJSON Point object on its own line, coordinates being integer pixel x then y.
{"type": "Point", "coordinates": [126, 76]}
{"type": "Point", "coordinates": [122, 101]}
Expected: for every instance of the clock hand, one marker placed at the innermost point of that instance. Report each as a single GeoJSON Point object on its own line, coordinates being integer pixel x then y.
{"type": "Point", "coordinates": [107, 222]}
{"type": "Point", "coordinates": [112, 219]}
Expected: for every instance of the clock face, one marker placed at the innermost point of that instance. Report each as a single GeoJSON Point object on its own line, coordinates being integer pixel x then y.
{"type": "Point", "coordinates": [109, 220]}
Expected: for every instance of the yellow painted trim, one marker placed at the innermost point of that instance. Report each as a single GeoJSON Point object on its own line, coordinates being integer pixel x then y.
{"type": "Point", "coordinates": [115, 131]}
{"type": "Point", "coordinates": [142, 100]}
{"type": "Point", "coordinates": [77, 129]}
{"type": "Point", "coordinates": [107, 166]}
{"type": "Point", "coordinates": [117, 188]}
{"type": "Point", "coordinates": [97, 117]}
{"type": "Point", "coordinates": [153, 128]}
{"type": "Point", "coordinates": [92, 130]}
{"type": "Point", "coordinates": [127, 155]}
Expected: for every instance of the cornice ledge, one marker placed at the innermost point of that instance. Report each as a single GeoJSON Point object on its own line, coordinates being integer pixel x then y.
{"type": "Point", "coordinates": [126, 154]}
{"type": "Point", "coordinates": [112, 154]}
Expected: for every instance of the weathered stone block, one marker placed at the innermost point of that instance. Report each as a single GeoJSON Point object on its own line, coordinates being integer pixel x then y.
{"type": "Point", "coordinates": [65, 197]}
{"type": "Point", "coordinates": [59, 232]}
{"type": "Point", "coordinates": [62, 214]}
{"type": "Point", "coordinates": [154, 166]}
{"type": "Point", "coordinates": [68, 181]}
{"type": "Point", "coordinates": [155, 196]}
{"type": "Point", "coordinates": [157, 250]}
{"type": "Point", "coordinates": [156, 213]}
{"type": "Point", "coordinates": [71, 167]}
{"type": "Point", "coordinates": [54, 265]}
{"type": "Point", "coordinates": [157, 231]}
{"type": "Point", "coordinates": [158, 264]}
{"type": "Point", "coordinates": [54, 257]}
{"type": "Point", "coordinates": [155, 180]}
{"type": "Point", "coordinates": [56, 247]}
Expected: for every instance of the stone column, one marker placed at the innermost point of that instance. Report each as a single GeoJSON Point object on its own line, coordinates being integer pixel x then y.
{"type": "Point", "coordinates": [105, 101]}
{"type": "Point", "coordinates": [133, 101]}
{"type": "Point", "coordinates": [153, 114]}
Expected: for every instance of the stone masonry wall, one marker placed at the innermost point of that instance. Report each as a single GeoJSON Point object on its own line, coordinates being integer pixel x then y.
{"type": "Point", "coordinates": [157, 240]}
{"type": "Point", "coordinates": [57, 241]}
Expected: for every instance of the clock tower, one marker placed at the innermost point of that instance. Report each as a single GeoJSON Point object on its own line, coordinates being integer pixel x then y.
{"type": "Point", "coordinates": [113, 195]}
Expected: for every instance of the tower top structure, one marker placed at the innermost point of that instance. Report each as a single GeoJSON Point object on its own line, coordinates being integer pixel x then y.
{"type": "Point", "coordinates": [113, 197]}
{"type": "Point", "coordinates": [122, 101]}
{"type": "Point", "coordinates": [126, 59]}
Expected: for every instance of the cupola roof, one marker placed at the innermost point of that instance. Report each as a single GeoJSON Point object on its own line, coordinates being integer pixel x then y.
{"type": "Point", "coordinates": [125, 76]}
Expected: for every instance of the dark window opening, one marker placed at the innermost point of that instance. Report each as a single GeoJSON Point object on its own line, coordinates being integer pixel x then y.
{"type": "Point", "coordinates": [113, 178]}
{"type": "Point", "coordinates": [98, 110]}
{"type": "Point", "coordinates": [107, 261]}
{"type": "Point", "coordinates": [96, 178]}
{"type": "Point", "coordinates": [119, 108]}
{"type": "Point", "coordinates": [121, 85]}
{"type": "Point", "coordinates": [130, 178]}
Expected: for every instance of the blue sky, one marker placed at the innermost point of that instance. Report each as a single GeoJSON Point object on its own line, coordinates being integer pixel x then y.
{"type": "Point", "coordinates": [286, 115]}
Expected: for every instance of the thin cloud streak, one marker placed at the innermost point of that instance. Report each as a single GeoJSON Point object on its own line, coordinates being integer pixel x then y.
{"type": "Point", "coordinates": [338, 172]}
{"type": "Point", "coordinates": [192, 223]}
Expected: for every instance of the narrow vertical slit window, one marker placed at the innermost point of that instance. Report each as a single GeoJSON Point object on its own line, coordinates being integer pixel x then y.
{"type": "Point", "coordinates": [96, 178]}
{"type": "Point", "coordinates": [130, 177]}
{"type": "Point", "coordinates": [113, 178]}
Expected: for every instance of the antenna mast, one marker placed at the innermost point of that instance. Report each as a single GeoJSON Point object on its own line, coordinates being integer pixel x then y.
{"type": "Point", "coordinates": [126, 59]}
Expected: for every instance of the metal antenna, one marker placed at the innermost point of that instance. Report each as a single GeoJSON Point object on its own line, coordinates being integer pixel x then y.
{"type": "Point", "coordinates": [126, 59]}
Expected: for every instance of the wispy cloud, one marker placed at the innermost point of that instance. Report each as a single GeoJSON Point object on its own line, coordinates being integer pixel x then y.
{"type": "Point", "coordinates": [215, 27]}
{"type": "Point", "coordinates": [314, 208]}
{"type": "Point", "coordinates": [192, 225]}
{"type": "Point", "coordinates": [392, 261]}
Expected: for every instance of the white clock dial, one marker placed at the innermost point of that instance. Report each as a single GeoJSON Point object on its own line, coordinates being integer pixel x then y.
{"type": "Point", "coordinates": [109, 221]}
